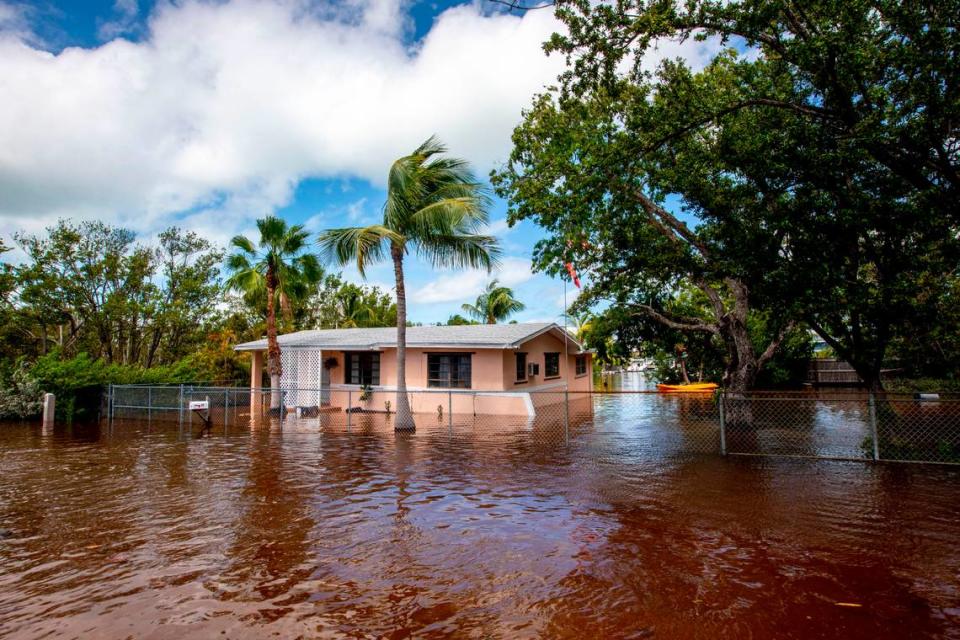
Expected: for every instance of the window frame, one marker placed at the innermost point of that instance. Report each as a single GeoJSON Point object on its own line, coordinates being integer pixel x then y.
{"type": "Point", "coordinates": [373, 362]}
{"type": "Point", "coordinates": [581, 360]}
{"type": "Point", "coordinates": [546, 369]}
{"type": "Point", "coordinates": [518, 367]}
{"type": "Point", "coordinates": [447, 383]}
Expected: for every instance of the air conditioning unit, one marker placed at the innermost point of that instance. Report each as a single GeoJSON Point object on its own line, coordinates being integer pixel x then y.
{"type": "Point", "coordinates": [533, 369]}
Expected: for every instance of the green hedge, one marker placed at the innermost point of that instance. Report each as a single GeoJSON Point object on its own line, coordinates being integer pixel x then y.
{"type": "Point", "coordinates": [79, 382]}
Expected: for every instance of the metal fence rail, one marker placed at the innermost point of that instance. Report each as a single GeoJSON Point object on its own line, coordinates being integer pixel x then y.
{"type": "Point", "coordinates": [622, 424]}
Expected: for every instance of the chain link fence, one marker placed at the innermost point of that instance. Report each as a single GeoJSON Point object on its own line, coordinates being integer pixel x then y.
{"type": "Point", "coordinates": [618, 424]}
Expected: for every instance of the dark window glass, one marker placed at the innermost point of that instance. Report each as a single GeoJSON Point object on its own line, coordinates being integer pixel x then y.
{"type": "Point", "coordinates": [521, 366]}
{"type": "Point", "coordinates": [581, 364]}
{"type": "Point", "coordinates": [362, 367]}
{"type": "Point", "coordinates": [551, 365]}
{"type": "Point", "coordinates": [448, 370]}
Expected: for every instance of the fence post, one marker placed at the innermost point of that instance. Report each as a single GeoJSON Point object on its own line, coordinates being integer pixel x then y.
{"type": "Point", "coordinates": [450, 410]}
{"type": "Point", "coordinates": [566, 415]}
{"type": "Point", "coordinates": [226, 406]}
{"type": "Point", "coordinates": [180, 406]}
{"type": "Point", "coordinates": [349, 412]}
{"type": "Point", "coordinates": [723, 426]}
{"type": "Point", "coordinates": [49, 409]}
{"type": "Point", "coordinates": [874, 433]}
{"type": "Point", "coordinates": [110, 404]}
{"type": "Point", "coordinates": [149, 403]}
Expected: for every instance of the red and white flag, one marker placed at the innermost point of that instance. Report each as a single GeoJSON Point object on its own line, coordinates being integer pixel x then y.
{"type": "Point", "coordinates": [573, 274]}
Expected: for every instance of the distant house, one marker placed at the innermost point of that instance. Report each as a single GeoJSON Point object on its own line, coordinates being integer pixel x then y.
{"type": "Point", "coordinates": [491, 369]}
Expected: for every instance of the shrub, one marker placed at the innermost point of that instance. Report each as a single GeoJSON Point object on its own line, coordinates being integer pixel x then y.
{"type": "Point", "coordinates": [79, 382]}
{"type": "Point", "coordinates": [21, 396]}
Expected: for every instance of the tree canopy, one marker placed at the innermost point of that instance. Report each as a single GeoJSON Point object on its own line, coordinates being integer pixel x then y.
{"type": "Point", "coordinates": [809, 169]}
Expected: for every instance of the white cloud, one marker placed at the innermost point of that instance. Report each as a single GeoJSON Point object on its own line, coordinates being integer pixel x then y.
{"type": "Point", "coordinates": [13, 21]}
{"type": "Point", "coordinates": [125, 22]}
{"type": "Point", "coordinates": [227, 106]}
{"type": "Point", "coordinates": [498, 227]}
{"type": "Point", "coordinates": [223, 108]}
{"type": "Point", "coordinates": [466, 285]}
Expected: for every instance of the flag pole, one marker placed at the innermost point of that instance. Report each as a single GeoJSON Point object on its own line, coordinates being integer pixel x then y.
{"type": "Point", "coordinates": [566, 350]}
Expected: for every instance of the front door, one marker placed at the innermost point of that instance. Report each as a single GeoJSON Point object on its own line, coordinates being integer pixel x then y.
{"type": "Point", "coordinates": [324, 383]}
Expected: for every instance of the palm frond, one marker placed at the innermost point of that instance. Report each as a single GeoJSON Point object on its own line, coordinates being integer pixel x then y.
{"type": "Point", "coordinates": [239, 262]}
{"type": "Point", "coordinates": [244, 244]}
{"type": "Point", "coordinates": [246, 281]}
{"type": "Point", "coordinates": [430, 147]}
{"type": "Point", "coordinates": [448, 217]}
{"type": "Point", "coordinates": [272, 231]}
{"type": "Point", "coordinates": [459, 251]}
{"type": "Point", "coordinates": [365, 245]}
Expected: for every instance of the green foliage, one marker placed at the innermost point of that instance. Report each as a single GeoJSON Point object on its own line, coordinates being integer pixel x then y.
{"type": "Point", "coordinates": [434, 207]}
{"type": "Point", "coordinates": [89, 287]}
{"type": "Point", "coordinates": [21, 396]}
{"type": "Point", "coordinates": [813, 165]}
{"type": "Point", "coordinates": [337, 304]}
{"type": "Point", "coordinates": [788, 367]}
{"type": "Point", "coordinates": [458, 320]}
{"type": "Point", "coordinates": [278, 264]}
{"type": "Point", "coordinates": [79, 382]}
{"type": "Point", "coordinates": [494, 305]}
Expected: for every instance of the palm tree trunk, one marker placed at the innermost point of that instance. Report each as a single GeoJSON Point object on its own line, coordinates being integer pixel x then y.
{"type": "Point", "coordinates": [403, 421]}
{"type": "Point", "coordinates": [274, 367]}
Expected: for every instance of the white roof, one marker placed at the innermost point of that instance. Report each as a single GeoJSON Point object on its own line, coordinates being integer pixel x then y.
{"type": "Point", "coordinates": [477, 336]}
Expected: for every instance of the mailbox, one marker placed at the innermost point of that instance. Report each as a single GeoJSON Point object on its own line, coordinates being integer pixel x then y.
{"type": "Point", "coordinates": [199, 405]}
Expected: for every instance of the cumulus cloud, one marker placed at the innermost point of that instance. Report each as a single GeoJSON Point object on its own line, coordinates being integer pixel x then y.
{"type": "Point", "coordinates": [124, 22]}
{"type": "Point", "coordinates": [227, 106]}
{"type": "Point", "coordinates": [466, 285]}
{"type": "Point", "coordinates": [219, 111]}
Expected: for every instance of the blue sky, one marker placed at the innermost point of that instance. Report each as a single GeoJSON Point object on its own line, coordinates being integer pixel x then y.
{"type": "Point", "coordinates": [208, 114]}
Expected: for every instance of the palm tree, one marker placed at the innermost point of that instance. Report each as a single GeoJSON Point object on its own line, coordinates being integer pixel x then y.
{"type": "Point", "coordinates": [434, 208]}
{"type": "Point", "coordinates": [494, 305]}
{"type": "Point", "coordinates": [582, 324]}
{"type": "Point", "coordinates": [278, 270]}
{"type": "Point", "coordinates": [354, 308]}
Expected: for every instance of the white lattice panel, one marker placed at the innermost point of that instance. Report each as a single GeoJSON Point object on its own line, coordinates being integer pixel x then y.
{"type": "Point", "coordinates": [300, 379]}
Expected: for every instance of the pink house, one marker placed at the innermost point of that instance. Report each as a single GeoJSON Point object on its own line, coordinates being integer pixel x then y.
{"type": "Point", "coordinates": [504, 369]}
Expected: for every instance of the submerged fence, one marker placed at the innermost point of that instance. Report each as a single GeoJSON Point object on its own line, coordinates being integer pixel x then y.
{"type": "Point", "coordinates": [835, 425]}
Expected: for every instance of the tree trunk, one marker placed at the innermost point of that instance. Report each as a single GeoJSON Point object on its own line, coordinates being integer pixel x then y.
{"type": "Point", "coordinates": [403, 421]}
{"type": "Point", "coordinates": [742, 367]}
{"type": "Point", "coordinates": [274, 368]}
{"type": "Point", "coordinates": [685, 378]}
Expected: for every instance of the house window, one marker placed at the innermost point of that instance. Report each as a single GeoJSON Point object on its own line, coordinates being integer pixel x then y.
{"type": "Point", "coordinates": [448, 370]}
{"type": "Point", "coordinates": [581, 364]}
{"type": "Point", "coordinates": [521, 367]}
{"type": "Point", "coordinates": [551, 365]}
{"type": "Point", "coordinates": [362, 367]}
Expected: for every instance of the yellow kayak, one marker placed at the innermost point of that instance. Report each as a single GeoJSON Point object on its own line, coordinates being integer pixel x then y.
{"type": "Point", "coordinates": [698, 387]}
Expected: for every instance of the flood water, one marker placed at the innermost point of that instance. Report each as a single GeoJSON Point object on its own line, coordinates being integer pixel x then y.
{"type": "Point", "coordinates": [484, 531]}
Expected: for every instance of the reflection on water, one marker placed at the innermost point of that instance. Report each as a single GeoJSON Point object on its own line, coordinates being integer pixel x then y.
{"type": "Point", "coordinates": [482, 530]}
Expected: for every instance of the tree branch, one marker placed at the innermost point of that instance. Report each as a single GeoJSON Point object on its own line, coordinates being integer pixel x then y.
{"type": "Point", "coordinates": [518, 5]}
{"type": "Point", "coordinates": [668, 224]}
{"type": "Point", "coordinates": [775, 344]}
{"type": "Point", "coordinates": [674, 324]}
{"type": "Point", "coordinates": [816, 112]}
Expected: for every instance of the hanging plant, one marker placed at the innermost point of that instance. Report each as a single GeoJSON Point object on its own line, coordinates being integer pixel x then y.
{"type": "Point", "coordinates": [330, 363]}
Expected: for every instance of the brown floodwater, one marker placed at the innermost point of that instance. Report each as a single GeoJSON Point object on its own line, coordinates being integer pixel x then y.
{"type": "Point", "coordinates": [486, 530]}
